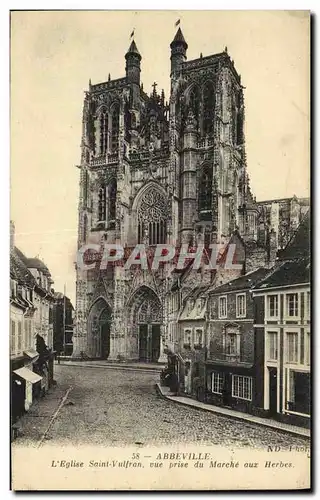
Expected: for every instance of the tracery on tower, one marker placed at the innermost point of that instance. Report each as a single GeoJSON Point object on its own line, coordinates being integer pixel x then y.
{"type": "Point", "coordinates": [103, 124]}
{"type": "Point", "coordinates": [112, 196]}
{"type": "Point", "coordinates": [208, 108]}
{"type": "Point", "coordinates": [102, 204]}
{"type": "Point", "coordinates": [115, 128]}
{"type": "Point", "coordinates": [205, 192]}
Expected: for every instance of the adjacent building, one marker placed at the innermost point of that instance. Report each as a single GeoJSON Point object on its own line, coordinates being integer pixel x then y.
{"type": "Point", "coordinates": [63, 318]}
{"type": "Point", "coordinates": [283, 216]}
{"type": "Point", "coordinates": [31, 339]}
{"type": "Point", "coordinates": [282, 330]}
{"type": "Point", "coordinates": [23, 354]}
{"type": "Point", "coordinates": [231, 354]}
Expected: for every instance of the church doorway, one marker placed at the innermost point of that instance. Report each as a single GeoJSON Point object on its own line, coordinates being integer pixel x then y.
{"type": "Point", "coordinates": [147, 320]}
{"type": "Point", "coordinates": [99, 325]}
{"type": "Point", "coordinates": [143, 342]}
{"type": "Point", "coordinates": [149, 343]}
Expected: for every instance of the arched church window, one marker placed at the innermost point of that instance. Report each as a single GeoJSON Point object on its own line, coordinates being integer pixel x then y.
{"type": "Point", "coordinates": [152, 217]}
{"type": "Point", "coordinates": [115, 128]}
{"type": "Point", "coordinates": [208, 108]}
{"type": "Point", "coordinates": [205, 192]}
{"type": "Point", "coordinates": [103, 124]}
{"type": "Point", "coordinates": [112, 192]}
{"type": "Point", "coordinates": [102, 204]}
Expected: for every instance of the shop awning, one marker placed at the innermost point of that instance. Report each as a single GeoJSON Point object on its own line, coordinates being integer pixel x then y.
{"type": "Point", "coordinates": [31, 353]}
{"type": "Point", "coordinates": [28, 375]}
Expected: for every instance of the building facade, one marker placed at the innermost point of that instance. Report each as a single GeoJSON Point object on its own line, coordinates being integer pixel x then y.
{"type": "Point", "coordinates": [63, 317]}
{"type": "Point", "coordinates": [30, 329]}
{"type": "Point", "coordinates": [23, 354]}
{"type": "Point", "coordinates": [283, 333]}
{"type": "Point", "coordinates": [156, 171]}
{"type": "Point", "coordinates": [231, 355]}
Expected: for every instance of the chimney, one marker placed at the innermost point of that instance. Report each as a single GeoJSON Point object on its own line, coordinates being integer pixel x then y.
{"type": "Point", "coordinates": [12, 235]}
{"type": "Point", "coordinates": [273, 248]}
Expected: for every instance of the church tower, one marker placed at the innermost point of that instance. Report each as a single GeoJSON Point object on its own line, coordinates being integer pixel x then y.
{"type": "Point", "coordinates": [178, 52]}
{"type": "Point", "coordinates": [154, 172]}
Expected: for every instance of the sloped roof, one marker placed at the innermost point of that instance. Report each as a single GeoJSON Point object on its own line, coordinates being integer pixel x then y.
{"type": "Point", "coordinates": [244, 282]}
{"type": "Point", "coordinates": [288, 273]}
{"type": "Point", "coordinates": [179, 38]}
{"type": "Point", "coordinates": [38, 264]}
{"type": "Point", "coordinates": [19, 270]}
{"type": "Point", "coordinates": [133, 49]}
{"type": "Point", "coordinates": [32, 262]}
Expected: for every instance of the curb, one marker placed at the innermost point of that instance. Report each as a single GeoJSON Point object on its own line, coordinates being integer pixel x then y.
{"type": "Point", "coordinates": [113, 367]}
{"type": "Point", "coordinates": [234, 417]}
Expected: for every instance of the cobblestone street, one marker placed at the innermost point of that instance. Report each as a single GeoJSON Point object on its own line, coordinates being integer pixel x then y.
{"type": "Point", "coordinates": [113, 407]}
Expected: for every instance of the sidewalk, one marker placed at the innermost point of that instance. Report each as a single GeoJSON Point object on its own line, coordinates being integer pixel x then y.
{"type": "Point", "coordinates": [34, 425]}
{"type": "Point", "coordinates": [279, 426]}
{"type": "Point", "coordinates": [101, 363]}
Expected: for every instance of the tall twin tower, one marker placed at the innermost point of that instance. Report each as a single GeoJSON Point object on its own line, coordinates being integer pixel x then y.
{"type": "Point", "coordinates": [156, 171]}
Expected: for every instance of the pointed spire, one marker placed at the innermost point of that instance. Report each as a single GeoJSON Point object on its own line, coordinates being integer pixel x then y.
{"type": "Point", "coordinates": [133, 60]}
{"type": "Point", "coordinates": [179, 39]}
{"type": "Point", "coordinates": [109, 77]}
{"type": "Point", "coordinates": [178, 48]}
{"type": "Point", "coordinates": [162, 97]}
{"type": "Point", "coordinates": [133, 49]}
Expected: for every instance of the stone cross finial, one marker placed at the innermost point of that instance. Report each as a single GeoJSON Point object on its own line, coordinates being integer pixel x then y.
{"type": "Point", "coordinates": [154, 85]}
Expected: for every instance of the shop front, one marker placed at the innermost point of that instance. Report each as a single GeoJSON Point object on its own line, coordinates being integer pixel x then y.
{"type": "Point", "coordinates": [25, 379]}
{"type": "Point", "coordinates": [230, 386]}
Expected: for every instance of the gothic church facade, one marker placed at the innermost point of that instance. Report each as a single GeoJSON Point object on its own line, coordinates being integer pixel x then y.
{"type": "Point", "coordinates": [154, 172]}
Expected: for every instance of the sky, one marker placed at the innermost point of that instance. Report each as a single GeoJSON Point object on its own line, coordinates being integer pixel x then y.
{"type": "Point", "coordinates": [53, 56]}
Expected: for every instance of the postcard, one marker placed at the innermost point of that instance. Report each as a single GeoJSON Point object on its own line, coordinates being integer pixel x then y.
{"type": "Point", "coordinates": [160, 250]}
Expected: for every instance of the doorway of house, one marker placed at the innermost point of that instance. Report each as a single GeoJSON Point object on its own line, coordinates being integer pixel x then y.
{"type": "Point", "coordinates": [273, 391]}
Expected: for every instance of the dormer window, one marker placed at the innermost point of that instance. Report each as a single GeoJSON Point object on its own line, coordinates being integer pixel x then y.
{"type": "Point", "coordinates": [13, 288]}
{"type": "Point", "coordinates": [187, 338]}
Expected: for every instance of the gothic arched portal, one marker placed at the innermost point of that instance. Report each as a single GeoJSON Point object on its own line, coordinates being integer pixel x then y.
{"type": "Point", "coordinates": [99, 322]}
{"type": "Point", "coordinates": [145, 316]}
